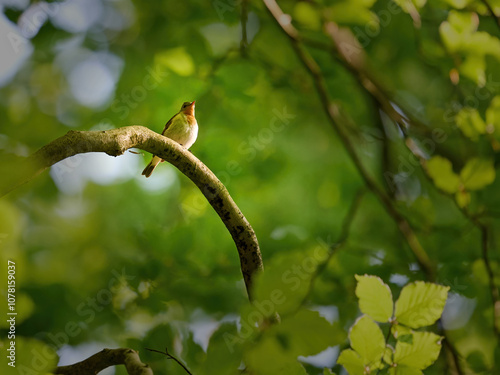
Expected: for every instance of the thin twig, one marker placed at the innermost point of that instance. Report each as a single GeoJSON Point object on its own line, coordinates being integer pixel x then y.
{"type": "Point", "coordinates": [170, 356]}
{"type": "Point", "coordinates": [336, 118]}
{"type": "Point", "coordinates": [333, 113]}
{"type": "Point", "coordinates": [387, 337]}
{"type": "Point", "coordinates": [455, 355]}
{"type": "Point", "coordinates": [344, 235]}
{"type": "Point", "coordinates": [402, 120]}
{"type": "Point", "coordinates": [357, 67]}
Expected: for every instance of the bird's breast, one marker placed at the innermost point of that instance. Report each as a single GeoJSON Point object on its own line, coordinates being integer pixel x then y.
{"type": "Point", "coordinates": [183, 130]}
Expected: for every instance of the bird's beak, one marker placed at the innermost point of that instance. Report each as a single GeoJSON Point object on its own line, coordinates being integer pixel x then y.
{"type": "Point", "coordinates": [192, 104]}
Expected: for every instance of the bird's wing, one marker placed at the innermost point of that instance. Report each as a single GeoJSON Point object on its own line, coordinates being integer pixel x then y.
{"type": "Point", "coordinates": [168, 124]}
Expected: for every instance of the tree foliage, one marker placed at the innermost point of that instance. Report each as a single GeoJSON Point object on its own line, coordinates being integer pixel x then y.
{"type": "Point", "coordinates": [357, 137]}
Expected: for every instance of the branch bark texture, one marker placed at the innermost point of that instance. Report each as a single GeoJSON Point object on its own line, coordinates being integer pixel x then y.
{"type": "Point", "coordinates": [115, 142]}
{"type": "Point", "coordinates": [106, 358]}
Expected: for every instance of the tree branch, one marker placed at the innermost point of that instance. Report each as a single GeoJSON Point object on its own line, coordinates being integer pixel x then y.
{"type": "Point", "coordinates": [105, 358]}
{"type": "Point", "coordinates": [355, 64]}
{"type": "Point", "coordinates": [341, 40]}
{"type": "Point", "coordinates": [115, 142]}
{"type": "Point", "coordinates": [335, 117]}
{"type": "Point", "coordinates": [170, 356]}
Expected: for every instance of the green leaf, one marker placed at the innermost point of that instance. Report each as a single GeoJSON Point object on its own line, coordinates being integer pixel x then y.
{"type": "Point", "coordinates": [375, 298]}
{"type": "Point", "coordinates": [224, 351]}
{"type": "Point", "coordinates": [459, 4]}
{"type": "Point", "coordinates": [268, 357]}
{"type": "Point", "coordinates": [420, 304]}
{"type": "Point", "coordinates": [482, 43]}
{"type": "Point", "coordinates": [463, 198]}
{"type": "Point", "coordinates": [463, 22]}
{"type": "Point", "coordinates": [421, 354]}
{"type": "Point", "coordinates": [474, 68]}
{"type": "Point", "coordinates": [388, 355]}
{"type": "Point", "coordinates": [409, 6]}
{"type": "Point", "coordinates": [327, 371]}
{"type": "Point", "coordinates": [398, 330]}
{"type": "Point", "coordinates": [450, 36]}
{"type": "Point", "coordinates": [470, 123]}
{"type": "Point", "coordinates": [307, 333]}
{"type": "Point", "coordinates": [459, 34]}
{"type": "Point", "coordinates": [178, 60]}
{"type": "Point", "coordinates": [283, 288]}
{"type": "Point", "coordinates": [352, 362]}
{"type": "Point", "coordinates": [307, 15]}
{"type": "Point", "coordinates": [32, 357]}
{"type": "Point", "coordinates": [480, 271]}
{"type": "Point", "coordinates": [404, 370]}
{"type": "Point", "coordinates": [352, 12]}
{"type": "Point", "coordinates": [477, 362]}
{"type": "Point", "coordinates": [493, 116]}
{"type": "Point", "coordinates": [441, 171]}
{"type": "Point", "coordinates": [408, 338]}
{"type": "Point", "coordinates": [368, 341]}
{"type": "Point", "coordinates": [477, 173]}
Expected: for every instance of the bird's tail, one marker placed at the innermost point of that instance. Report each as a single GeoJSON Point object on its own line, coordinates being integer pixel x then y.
{"type": "Point", "coordinates": [151, 166]}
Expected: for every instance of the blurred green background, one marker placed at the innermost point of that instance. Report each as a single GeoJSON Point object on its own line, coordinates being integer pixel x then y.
{"type": "Point", "coordinates": [107, 258]}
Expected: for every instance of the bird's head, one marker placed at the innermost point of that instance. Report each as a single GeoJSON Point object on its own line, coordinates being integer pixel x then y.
{"type": "Point", "coordinates": [188, 108]}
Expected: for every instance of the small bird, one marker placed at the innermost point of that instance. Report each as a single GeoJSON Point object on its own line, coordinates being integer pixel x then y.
{"type": "Point", "coordinates": [182, 128]}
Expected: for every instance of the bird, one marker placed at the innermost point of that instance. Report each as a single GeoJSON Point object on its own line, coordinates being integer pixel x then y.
{"type": "Point", "coordinates": [182, 128]}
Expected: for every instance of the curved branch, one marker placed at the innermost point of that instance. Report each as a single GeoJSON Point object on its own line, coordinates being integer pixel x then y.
{"type": "Point", "coordinates": [106, 358]}
{"type": "Point", "coordinates": [115, 142]}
